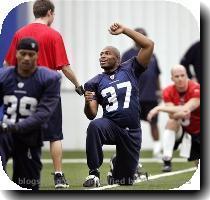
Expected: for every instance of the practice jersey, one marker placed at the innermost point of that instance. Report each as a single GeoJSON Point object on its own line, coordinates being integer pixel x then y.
{"type": "Point", "coordinates": [52, 53]}
{"type": "Point", "coordinates": [147, 88]}
{"type": "Point", "coordinates": [29, 102]}
{"type": "Point", "coordinates": [118, 93]}
{"type": "Point", "coordinates": [170, 94]}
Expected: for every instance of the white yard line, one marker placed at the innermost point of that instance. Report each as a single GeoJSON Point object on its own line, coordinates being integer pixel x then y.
{"type": "Point", "coordinates": [106, 160]}
{"type": "Point", "coordinates": [149, 178]}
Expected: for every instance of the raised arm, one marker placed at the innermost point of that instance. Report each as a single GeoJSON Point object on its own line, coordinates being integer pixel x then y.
{"type": "Point", "coordinates": [146, 44]}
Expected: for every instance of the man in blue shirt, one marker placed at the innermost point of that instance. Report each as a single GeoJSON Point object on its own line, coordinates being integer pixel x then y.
{"type": "Point", "coordinates": [149, 91]}
{"type": "Point", "coordinates": [117, 91]}
{"type": "Point", "coordinates": [29, 95]}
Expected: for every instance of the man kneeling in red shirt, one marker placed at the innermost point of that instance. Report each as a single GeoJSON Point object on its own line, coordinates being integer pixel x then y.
{"type": "Point", "coordinates": [182, 103]}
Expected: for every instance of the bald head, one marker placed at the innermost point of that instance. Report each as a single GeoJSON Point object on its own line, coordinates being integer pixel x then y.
{"type": "Point", "coordinates": [109, 58]}
{"type": "Point", "coordinates": [178, 68]}
{"type": "Point", "coordinates": [179, 77]}
{"type": "Point", "coordinates": [114, 50]}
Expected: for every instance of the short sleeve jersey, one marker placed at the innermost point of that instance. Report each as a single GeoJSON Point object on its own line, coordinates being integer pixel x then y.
{"type": "Point", "coordinates": [147, 88]}
{"type": "Point", "coordinates": [170, 94]}
{"type": "Point", "coordinates": [52, 53]}
{"type": "Point", "coordinates": [118, 93]}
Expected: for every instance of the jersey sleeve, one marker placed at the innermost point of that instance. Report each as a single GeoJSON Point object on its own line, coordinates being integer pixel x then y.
{"type": "Point", "coordinates": [61, 58]}
{"type": "Point", "coordinates": [5, 78]}
{"type": "Point", "coordinates": [135, 68]}
{"type": "Point", "coordinates": [45, 108]}
{"type": "Point", "coordinates": [195, 92]}
{"type": "Point", "coordinates": [10, 57]}
{"type": "Point", "coordinates": [92, 86]}
{"type": "Point", "coordinates": [125, 57]}
{"type": "Point", "coordinates": [167, 95]}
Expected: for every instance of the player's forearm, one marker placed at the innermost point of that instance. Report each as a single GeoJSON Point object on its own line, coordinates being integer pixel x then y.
{"type": "Point", "coordinates": [89, 111]}
{"type": "Point", "coordinates": [68, 72]}
{"type": "Point", "coordinates": [44, 111]}
{"type": "Point", "coordinates": [178, 115]}
{"type": "Point", "coordinates": [168, 109]}
{"type": "Point", "coordinates": [192, 104]}
{"type": "Point", "coordinates": [139, 38]}
{"type": "Point", "coordinates": [145, 43]}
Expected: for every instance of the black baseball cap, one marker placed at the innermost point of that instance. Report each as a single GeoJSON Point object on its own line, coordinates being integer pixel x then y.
{"type": "Point", "coordinates": [28, 44]}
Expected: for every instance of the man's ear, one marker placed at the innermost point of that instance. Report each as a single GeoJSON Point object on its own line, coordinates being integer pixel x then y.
{"type": "Point", "coordinates": [49, 12]}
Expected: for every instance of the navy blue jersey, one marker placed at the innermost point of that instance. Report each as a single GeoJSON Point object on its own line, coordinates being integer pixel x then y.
{"type": "Point", "coordinates": [118, 93]}
{"type": "Point", "coordinates": [148, 81]}
{"type": "Point", "coordinates": [28, 102]}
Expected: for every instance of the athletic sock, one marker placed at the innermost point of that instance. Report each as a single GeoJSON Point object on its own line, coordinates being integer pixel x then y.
{"type": "Point", "coordinates": [57, 172]}
{"type": "Point", "coordinates": [156, 147]}
{"type": "Point", "coordinates": [168, 143]}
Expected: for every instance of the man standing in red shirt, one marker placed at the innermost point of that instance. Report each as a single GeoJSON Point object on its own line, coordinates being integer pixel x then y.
{"type": "Point", "coordinates": [182, 103]}
{"type": "Point", "coordinates": [52, 54]}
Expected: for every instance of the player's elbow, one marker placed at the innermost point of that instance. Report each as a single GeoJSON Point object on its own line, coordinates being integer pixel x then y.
{"type": "Point", "coordinates": [90, 116]}
{"type": "Point", "coordinates": [151, 44]}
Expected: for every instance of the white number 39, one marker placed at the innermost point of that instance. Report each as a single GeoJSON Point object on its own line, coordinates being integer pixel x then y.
{"type": "Point", "coordinates": [26, 106]}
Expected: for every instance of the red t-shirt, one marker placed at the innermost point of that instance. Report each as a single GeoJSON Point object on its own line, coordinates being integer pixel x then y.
{"type": "Point", "coordinates": [170, 94]}
{"type": "Point", "coordinates": [52, 53]}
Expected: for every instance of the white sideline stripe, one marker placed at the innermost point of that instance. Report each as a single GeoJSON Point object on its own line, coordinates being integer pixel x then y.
{"type": "Point", "coordinates": [107, 160]}
{"type": "Point", "coordinates": [149, 178]}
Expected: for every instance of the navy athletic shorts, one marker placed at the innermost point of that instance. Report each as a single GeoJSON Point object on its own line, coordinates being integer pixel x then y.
{"type": "Point", "coordinates": [52, 130]}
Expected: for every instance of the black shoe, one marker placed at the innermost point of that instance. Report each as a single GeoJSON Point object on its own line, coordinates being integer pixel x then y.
{"type": "Point", "coordinates": [60, 181]}
{"type": "Point", "coordinates": [93, 180]}
{"type": "Point", "coordinates": [166, 166]}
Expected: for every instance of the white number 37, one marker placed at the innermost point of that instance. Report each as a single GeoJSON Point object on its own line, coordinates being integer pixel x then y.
{"type": "Point", "coordinates": [113, 98]}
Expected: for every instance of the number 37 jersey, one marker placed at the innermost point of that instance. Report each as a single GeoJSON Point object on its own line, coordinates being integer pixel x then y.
{"type": "Point", "coordinates": [118, 93]}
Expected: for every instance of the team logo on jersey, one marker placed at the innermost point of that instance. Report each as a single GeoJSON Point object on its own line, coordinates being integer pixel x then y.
{"type": "Point", "coordinates": [112, 77]}
{"type": "Point", "coordinates": [20, 85]}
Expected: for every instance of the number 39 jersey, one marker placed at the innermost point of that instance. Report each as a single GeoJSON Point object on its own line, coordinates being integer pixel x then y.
{"type": "Point", "coordinates": [28, 101]}
{"type": "Point", "coordinates": [118, 93]}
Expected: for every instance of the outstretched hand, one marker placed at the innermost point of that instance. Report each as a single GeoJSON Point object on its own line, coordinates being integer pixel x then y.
{"type": "Point", "coordinates": [116, 29]}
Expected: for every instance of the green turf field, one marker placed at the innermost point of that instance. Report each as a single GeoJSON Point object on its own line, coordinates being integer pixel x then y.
{"type": "Point", "coordinates": [76, 172]}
